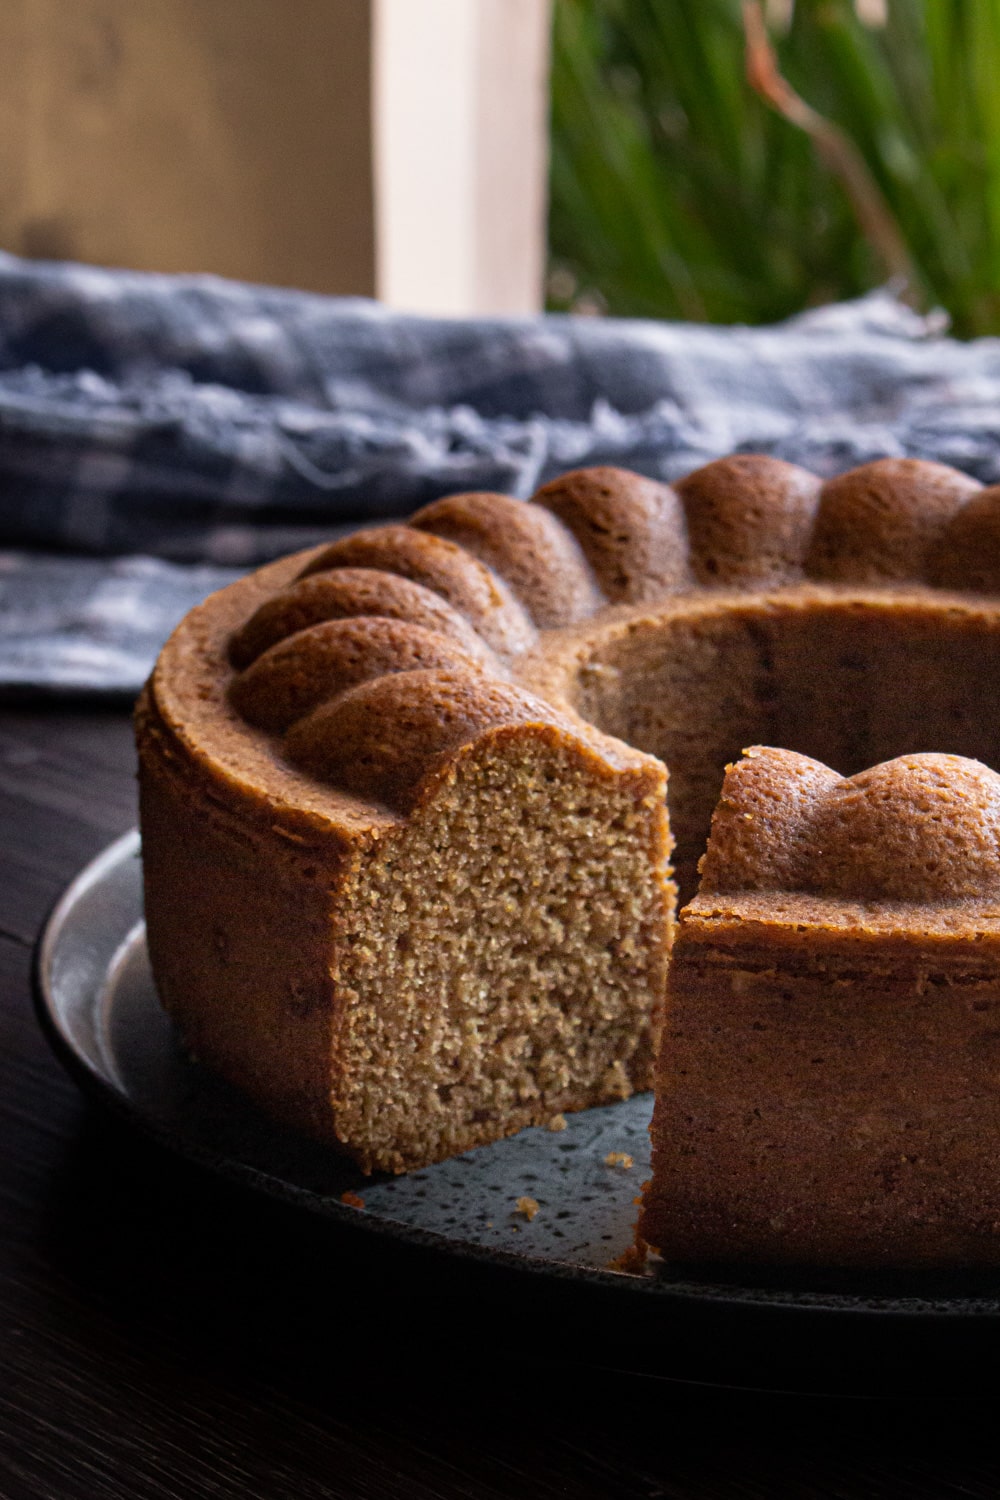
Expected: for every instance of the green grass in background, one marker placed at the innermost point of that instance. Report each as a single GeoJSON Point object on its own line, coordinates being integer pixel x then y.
{"type": "Point", "coordinates": [677, 192]}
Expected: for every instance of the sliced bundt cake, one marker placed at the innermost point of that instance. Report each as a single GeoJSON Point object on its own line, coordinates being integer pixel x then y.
{"type": "Point", "coordinates": [403, 812]}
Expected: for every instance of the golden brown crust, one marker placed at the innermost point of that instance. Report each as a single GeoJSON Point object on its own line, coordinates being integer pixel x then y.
{"type": "Point", "coordinates": [251, 997]}
{"type": "Point", "coordinates": [631, 530]}
{"type": "Point", "coordinates": [526, 545]}
{"type": "Point", "coordinates": [967, 553]}
{"type": "Point", "coordinates": [341, 595]}
{"type": "Point", "coordinates": [463, 581]}
{"type": "Point", "coordinates": [749, 520]}
{"type": "Point", "coordinates": [313, 665]}
{"type": "Point", "coordinates": [923, 829]}
{"type": "Point", "coordinates": [382, 739]}
{"type": "Point", "coordinates": [188, 721]}
{"type": "Point", "coordinates": [883, 520]}
{"type": "Point", "coordinates": [763, 820]}
{"type": "Point", "coordinates": [828, 1099]}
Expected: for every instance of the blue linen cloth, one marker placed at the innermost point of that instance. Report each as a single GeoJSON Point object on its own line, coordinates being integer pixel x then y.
{"type": "Point", "coordinates": [160, 434]}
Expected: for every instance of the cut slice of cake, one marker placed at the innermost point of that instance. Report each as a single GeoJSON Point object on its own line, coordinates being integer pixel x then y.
{"type": "Point", "coordinates": [828, 1090]}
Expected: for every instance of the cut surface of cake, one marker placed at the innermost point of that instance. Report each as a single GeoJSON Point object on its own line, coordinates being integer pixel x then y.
{"type": "Point", "coordinates": [407, 857]}
{"type": "Point", "coordinates": [828, 1092]}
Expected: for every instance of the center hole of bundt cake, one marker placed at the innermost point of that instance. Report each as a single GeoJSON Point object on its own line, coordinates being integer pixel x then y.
{"type": "Point", "coordinates": [851, 681]}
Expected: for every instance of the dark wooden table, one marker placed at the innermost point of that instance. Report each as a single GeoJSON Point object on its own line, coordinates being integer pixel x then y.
{"type": "Point", "coordinates": [165, 1335]}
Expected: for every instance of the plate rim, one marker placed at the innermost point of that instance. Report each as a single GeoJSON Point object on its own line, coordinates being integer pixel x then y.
{"type": "Point", "coordinates": [741, 1297]}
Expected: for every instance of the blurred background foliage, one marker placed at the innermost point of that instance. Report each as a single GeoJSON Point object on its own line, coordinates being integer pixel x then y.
{"type": "Point", "coordinates": [678, 192]}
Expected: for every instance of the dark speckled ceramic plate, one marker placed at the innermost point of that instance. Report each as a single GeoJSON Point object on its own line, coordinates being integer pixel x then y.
{"type": "Point", "coordinates": [99, 1009]}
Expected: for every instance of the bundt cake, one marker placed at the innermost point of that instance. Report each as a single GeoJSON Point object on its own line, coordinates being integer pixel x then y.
{"type": "Point", "coordinates": [402, 797]}
{"type": "Point", "coordinates": [828, 1090]}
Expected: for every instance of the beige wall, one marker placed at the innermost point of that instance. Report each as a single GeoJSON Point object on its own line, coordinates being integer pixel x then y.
{"type": "Point", "coordinates": [371, 146]}
{"type": "Point", "coordinates": [462, 152]}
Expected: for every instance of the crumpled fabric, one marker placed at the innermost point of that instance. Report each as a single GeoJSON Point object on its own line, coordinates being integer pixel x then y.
{"type": "Point", "coordinates": [160, 434]}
